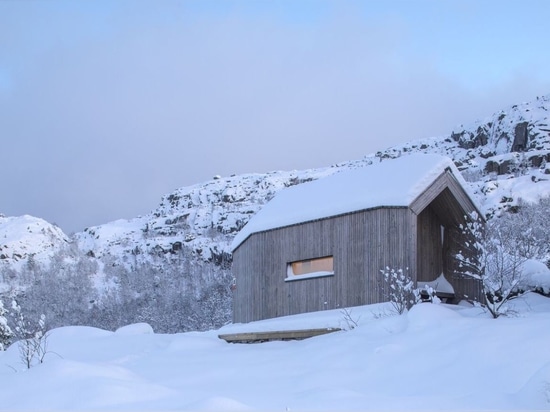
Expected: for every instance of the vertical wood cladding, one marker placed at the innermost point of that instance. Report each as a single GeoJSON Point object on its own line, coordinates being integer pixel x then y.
{"type": "Point", "coordinates": [430, 246]}
{"type": "Point", "coordinates": [361, 244]}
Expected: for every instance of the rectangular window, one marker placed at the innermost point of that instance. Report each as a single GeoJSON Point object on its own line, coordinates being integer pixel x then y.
{"type": "Point", "coordinates": [310, 268]}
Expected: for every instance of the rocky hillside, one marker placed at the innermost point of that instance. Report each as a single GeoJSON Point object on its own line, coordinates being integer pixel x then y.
{"type": "Point", "coordinates": [202, 219]}
{"type": "Point", "coordinates": [27, 237]}
{"type": "Point", "coordinates": [503, 157]}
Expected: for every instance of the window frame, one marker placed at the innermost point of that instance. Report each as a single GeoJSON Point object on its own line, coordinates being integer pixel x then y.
{"type": "Point", "coordinates": [291, 276]}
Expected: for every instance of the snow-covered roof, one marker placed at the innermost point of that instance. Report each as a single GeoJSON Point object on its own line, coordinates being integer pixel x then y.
{"type": "Point", "coordinates": [392, 182]}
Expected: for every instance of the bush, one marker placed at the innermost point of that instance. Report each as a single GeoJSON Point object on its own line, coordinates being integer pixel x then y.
{"type": "Point", "coordinates": [33, 339]}
{"type": "Point", "coordinates": [492, 255]}
{"type": "Point", "coordinates": [6, 333]}
{"type": "Point", "coordinates": [400, 290]}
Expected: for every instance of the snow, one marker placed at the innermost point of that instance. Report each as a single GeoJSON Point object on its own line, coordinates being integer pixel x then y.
{"type": "Point", "coordinates": [135, 329]}
{"type": "Point", "coordinates": [441, 357]}
{"type": "Point", "coordinates": [530, 188]}
{"type": "Point", "coordinates": [23, 236]}
{"type": "Point", "coordinates": [319, 274]}
{"type": "Point", "coordinates": [535, 274]}
{"type": "Point", "coordinates": [395, 182]}
{"type": "Point", "coordinates": [439, 285]}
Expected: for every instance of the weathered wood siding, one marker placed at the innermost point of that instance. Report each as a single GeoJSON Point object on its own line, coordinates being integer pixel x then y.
{"type": "Point", "coordinates": [361, 243]}
{"type": "Point", "coordinates": [444, 203]}
{"type": "Point", "coordinates": [430, 246]}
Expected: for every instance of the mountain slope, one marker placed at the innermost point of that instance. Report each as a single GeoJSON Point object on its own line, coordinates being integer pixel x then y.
{"type": "Point", "coordinates": [27, 237]}
{"type": "Point", "coordinates": [205, 217]}
{"type": "Point", "coordinates": [182, 247]}
{"type": "Point", "coordinates": [202, 218]}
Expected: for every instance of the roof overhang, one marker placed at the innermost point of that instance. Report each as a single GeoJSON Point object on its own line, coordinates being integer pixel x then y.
{"type": "Point", "coordinates": [448, 195]}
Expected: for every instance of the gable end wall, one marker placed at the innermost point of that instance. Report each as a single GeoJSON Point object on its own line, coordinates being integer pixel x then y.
{"type": "Point", "coordinates": [445, 203]}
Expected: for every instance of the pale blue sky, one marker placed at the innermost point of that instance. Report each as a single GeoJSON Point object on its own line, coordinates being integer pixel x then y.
{"type": "Point", "coordinates": [105, 106]}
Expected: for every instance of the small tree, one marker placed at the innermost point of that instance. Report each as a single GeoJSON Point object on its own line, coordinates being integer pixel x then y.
{"type": "Point", "coordinates": [6, 333]}
{"type": "Point", "coordinates": [33, 340]}
{"type": "Point", "coordinates": [351, 322]}
{"type": "Point", "coordinates": [492, 256]}
{"type": "Point", "coordinates": [400, 291]}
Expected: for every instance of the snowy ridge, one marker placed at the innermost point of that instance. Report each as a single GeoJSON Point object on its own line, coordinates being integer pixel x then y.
{"type": "Point", "coordinates": [202, 220]}
{"type": "Point", "coordinates": [27, 236]}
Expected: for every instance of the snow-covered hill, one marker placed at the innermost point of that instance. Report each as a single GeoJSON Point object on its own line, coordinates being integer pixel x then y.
{"type": "Point", "coordinates": [202, 219]}
{"type": "Point", "coordinates": [503, 158]}
{"type": "Point", "coordinates": [27, 237]}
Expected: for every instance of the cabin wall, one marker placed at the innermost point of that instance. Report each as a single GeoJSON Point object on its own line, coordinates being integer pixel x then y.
{"type": "Point", "coordinates": [361, 243]}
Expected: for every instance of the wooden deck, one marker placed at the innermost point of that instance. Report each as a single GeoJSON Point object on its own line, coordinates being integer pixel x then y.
{"type": "Point", "coordinates": [258, 337]}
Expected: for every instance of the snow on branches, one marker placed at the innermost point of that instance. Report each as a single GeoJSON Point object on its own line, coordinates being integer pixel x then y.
{"type": "Point", "coordinates": [33, 339]}
{"type": "Point", "coordinates": [400, 291]}
{"type": "Point", "coordinates": [493, 256]}
{"type": "Point", "coordinates": [5, 331]}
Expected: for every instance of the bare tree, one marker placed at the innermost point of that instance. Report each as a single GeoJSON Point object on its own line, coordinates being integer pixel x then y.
{"type": "Point", "coordinates": [350, 321]}
{"type": "Point", "coordinates": [33, 339]}
{"type": "Point", "coordinates": [493, 256]}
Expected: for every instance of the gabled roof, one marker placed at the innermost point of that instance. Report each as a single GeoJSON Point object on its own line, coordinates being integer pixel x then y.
{"type": "Point", "coordinates": [392, 182]}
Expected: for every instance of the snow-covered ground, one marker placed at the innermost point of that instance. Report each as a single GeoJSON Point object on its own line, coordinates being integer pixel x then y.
{"type": "Point", "coordinates": [436, 357]}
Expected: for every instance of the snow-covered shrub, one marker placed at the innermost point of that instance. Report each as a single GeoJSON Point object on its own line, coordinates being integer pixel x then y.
{"type": "Point", "coordinates": [536, 277]}
{"type": "Point", "coordinates": [530, 227]}
{"type": "Point", "coordinates": [6, 333]}
{"type": "Point", "coordinates": [61, 290]}
{"type": "Point", "coordinates": [400, 290]}
{"type": "Point", "coordinates": [32, 339]}
{"type": "Point", "coordinates": [493, 256]}
{"type": "Point", "coordinates": [172, 296]}
{"type": "Point", "coordinates": [431, 294]}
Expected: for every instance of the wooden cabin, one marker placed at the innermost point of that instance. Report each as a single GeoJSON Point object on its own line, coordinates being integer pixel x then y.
{"type": "Point", "coordinates": [322, 244]}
